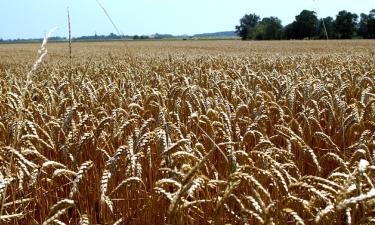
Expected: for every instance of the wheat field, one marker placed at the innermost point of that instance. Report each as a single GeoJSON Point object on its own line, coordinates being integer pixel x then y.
{"type": "Point", "coordinates": [188, 132]}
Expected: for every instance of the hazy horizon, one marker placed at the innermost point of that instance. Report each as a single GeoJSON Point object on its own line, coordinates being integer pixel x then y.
{"type": "Point", "coordinates": [31, 19]}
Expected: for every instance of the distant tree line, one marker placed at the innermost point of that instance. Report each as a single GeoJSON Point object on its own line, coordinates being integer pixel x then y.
{"type": "Point", "coordinates": [95, 37]}
{"type": "Point", "coordinates": [30, 40]}
{"type": "Point", "coordinates": [109, 37]}
{"type": "Point", "coordinates": [306, 25]}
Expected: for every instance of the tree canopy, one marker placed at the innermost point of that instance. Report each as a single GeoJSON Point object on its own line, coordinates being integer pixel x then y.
{"type": "Point", "coordinates": [345, 24]}
{"type": "Point", "coordinates": [269, 28]}
{"type": "Point", "coordinates": [366, 26]}
{"type": "Point", "coordinates": [326, 28]}
{"type": "Point", "coordinates": [307, 25]}
{"type": "Point", "coordinates": [371, 24]}
{"type": "Point", "coordinates": [247, 24]}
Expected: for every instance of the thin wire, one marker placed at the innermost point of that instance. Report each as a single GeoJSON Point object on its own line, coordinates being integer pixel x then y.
{"type": "Point", "coordinates": [109, 17]}
{"type": "Point", "coordinates": [324, 24]}
{"type": "Point", "coordinates": [70, 44]}
{"type": "Point", "coordinates": [325, 29]}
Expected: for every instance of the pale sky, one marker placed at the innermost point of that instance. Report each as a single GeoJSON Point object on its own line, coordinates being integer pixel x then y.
{"type": "Point", "coordinates": [32, 18]}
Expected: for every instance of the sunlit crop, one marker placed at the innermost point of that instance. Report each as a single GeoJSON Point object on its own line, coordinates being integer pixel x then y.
{"type": "Point", "coordinates": [206, 132]}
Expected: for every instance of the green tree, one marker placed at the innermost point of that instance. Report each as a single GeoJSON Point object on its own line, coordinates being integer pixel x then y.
{"type": "Point", "coordinates": [345, 24]}
{"type": "Point", "coordinates": [112, 36]}
{"type": "Point", "coordinates": [371, 24]}
{"type": "Point", "coordinates": [362, 25]}
{"type": "Point", "coordinates": [269, 28]}
{"type": "Point", "coordinates": [289, 31]}
{"type": "Point", "coordinates": [306, 24]}
{"type": "Point", "coordinates": [247, 24]}
{"type": "Point", "coordinates": [327, 24]}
